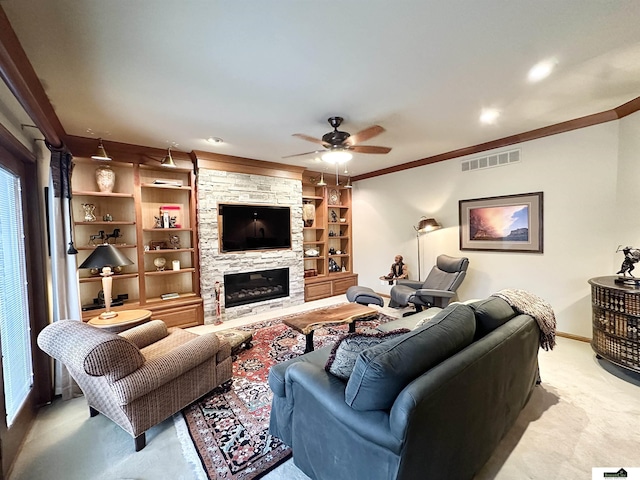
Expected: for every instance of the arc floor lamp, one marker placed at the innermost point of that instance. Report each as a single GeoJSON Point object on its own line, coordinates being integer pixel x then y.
{"type": "Point", "coordinates": [425, 225]}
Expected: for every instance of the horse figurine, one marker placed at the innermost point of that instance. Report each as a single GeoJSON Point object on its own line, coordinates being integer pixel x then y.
{"type": "Point", "coordinates": [99, 236]}
{"type": "Point", "coordinates": [115, 235]}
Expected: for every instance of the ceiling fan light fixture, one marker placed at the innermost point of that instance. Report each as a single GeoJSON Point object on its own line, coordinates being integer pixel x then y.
{"type": "Point", "coordinates": [101, 153]}
{"type": "Point", "coordinates": [337, 156]}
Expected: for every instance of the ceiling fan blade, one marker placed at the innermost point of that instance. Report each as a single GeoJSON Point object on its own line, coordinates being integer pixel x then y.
{"type": "Point", "coordinates": [310, 139]}
{"type": "Point", "coordinates": [364, 135]}
{"type": "Point", "coordinates": [306, 153]}
{"type": "Point", "coordinates": [369, 149]}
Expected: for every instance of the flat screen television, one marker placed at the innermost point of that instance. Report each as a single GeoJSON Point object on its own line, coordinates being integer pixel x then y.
{"type": "Point", "coordinates": [254, 227]}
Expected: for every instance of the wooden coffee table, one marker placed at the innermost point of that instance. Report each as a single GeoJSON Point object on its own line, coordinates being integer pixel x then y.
{"type": "Point", "coordinates": [307, 322]}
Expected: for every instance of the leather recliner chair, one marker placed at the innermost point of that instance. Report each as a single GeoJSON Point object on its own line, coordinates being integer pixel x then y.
{"type": "Point", "coordinates": [437, 290]}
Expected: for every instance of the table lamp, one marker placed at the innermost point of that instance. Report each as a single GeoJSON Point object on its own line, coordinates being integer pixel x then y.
{"type": "Point", "coordinates": [105, 257]}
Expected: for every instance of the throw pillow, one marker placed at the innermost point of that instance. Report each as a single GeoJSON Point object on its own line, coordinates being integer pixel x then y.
{"type": "Point", "coordinates": [346, 350]}
{"type": "Point", "coordinates": [382, 371]}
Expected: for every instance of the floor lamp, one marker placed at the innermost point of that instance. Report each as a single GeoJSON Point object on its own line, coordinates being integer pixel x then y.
{"type": "Point", "coordinates": [425, 225]}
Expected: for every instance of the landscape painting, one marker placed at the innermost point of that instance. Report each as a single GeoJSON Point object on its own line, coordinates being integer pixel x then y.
{"type": "Point", "coordinates": [507, 223]}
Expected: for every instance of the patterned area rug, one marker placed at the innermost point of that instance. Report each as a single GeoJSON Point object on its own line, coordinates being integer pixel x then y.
{"type": "Point", "coordinates": [230, 427]}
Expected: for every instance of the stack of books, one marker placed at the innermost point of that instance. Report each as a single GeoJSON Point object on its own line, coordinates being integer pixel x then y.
{"type": "Point", "coordinates": [169, 296]}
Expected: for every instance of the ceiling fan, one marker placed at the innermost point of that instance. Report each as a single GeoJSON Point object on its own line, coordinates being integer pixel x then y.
{"type": "Point", "coordinates": [339, 145]}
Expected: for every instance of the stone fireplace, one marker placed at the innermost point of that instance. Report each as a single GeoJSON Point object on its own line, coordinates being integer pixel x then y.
{"type": "Point", "coordinates": [252, 287]}
{"type": "Point", "coordinates": [220, 182]}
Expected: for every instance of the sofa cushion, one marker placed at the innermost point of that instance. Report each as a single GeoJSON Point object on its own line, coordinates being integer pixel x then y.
{"type": "Point", "coordinates": [347, 348]}
{"type": "Point", "coordinates": [490, 314]}
{"type": "Point", "coordinates": [382, 371]}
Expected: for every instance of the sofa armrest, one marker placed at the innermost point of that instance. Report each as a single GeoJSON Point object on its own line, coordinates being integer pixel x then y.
{"type": "Point", "coordinates": [146, 334]}
{"type": "Point", "coordinates": [415, 284]}
{"type": "Point", "coordinates": [468, 402]}
{"type": "Point", "coordinates": [166, 368]}
{"type": "Point", "coordinates": [311, 384]}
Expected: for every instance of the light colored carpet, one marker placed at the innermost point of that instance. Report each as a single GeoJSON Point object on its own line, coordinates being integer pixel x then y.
{"type": "Point", "coordinates": [585, 414]}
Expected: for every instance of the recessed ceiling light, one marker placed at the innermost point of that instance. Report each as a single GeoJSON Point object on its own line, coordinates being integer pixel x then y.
{"type": "Point", "coordinates": [541, 70]}
{"type": "Point", "coordinates": [214, 140]}
{"type": "Point", "coordinates": [489, 115]}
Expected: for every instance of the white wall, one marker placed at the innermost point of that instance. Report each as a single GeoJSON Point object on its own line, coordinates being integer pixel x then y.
{"type": "Point", "coordinates": [589, 178]}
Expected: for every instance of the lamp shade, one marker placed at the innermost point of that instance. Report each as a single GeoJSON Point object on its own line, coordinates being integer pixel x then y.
{"type": "Point", "coordinates": [427, 225]}
{"type": "Point", "coordinates": [106, 255]}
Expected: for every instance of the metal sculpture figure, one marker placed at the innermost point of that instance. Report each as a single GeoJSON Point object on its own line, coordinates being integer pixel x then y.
{"type": "Point", "coordinates": [631, 257]}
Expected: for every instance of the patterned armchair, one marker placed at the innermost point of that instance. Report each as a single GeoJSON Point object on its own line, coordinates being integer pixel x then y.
{"type": "Point", "coordinates": [142, 376]}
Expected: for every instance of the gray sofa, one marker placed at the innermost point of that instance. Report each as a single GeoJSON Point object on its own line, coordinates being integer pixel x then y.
{"type": "Point", "coordinates": [431, 403]}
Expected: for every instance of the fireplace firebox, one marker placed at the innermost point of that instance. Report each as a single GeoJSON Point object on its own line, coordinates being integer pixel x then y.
{"type": "Point", "coordinates": [251, 287]}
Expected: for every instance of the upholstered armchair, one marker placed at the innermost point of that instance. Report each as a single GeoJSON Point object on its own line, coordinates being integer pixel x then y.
{"type": "Point", "coordinates": [143, 375]}
{"type": "Point", "coordinates": [437, 290]}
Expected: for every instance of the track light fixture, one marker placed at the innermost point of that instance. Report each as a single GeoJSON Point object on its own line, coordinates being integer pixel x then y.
{"type": "Point", "coordinates": [101, 153]}
{"type": "Point", "coordinates": [167, 161]}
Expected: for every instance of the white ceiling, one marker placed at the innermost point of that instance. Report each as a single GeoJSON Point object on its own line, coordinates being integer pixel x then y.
{"type": "Point", "coordinates": [153, 72]}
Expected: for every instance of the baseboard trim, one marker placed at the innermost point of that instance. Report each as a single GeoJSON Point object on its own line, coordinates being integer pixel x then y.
{"type": "Point", "coordinates": [573, 337]}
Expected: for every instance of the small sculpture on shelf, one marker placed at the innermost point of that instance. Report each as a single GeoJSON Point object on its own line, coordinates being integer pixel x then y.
{"type": "Point", "coordinates": [115, 235]}
{"type": "Point", "coordinates": [334, 216]}
{"type": "Point", "coordinates": [99, 236]}
{"type": "Point", "coordinates": [631, 257]}
{"type": "Point", "coordinates": [333, 266]}
{"type": "Point", "coordinates": [89, 209]}
{"type": "Point", "coordinates": [174, 241]}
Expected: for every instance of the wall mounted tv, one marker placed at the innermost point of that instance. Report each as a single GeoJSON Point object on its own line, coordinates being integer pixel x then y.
{"type": "Point", "coordinates": [254, 227]}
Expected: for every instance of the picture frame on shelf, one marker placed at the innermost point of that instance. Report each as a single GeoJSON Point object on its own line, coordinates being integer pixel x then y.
{"type": "Point", "coordinates": [508, 223]}
{"type": "Point", "coordinates": [157, 245]}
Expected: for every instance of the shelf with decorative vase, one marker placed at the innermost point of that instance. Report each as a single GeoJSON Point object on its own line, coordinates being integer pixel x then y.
{"type": "Point", "coordinates": [124, 198]}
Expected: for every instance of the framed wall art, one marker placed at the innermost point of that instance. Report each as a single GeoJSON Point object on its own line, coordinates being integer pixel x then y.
{"type": "Point", "coordinates": [510, 223]}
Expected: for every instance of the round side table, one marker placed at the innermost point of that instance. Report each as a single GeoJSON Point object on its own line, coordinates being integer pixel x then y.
{"type": "Point", "coordinates": [126, 319]}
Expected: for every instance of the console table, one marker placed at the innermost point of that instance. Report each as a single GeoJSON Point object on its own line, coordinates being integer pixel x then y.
{"type": "Point", "coordinates": [616, 321]}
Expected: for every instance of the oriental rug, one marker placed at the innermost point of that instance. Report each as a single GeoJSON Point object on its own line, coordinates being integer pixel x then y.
{"type": "Point", "coordinates": [230, 426]}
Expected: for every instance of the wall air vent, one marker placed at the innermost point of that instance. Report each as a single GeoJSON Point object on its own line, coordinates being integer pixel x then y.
{"type": "Point", "coordinates": [495, 160]}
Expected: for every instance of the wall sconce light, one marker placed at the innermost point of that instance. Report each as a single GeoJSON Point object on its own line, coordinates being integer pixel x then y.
{"type": "Point", "coordinates": [101, 153]}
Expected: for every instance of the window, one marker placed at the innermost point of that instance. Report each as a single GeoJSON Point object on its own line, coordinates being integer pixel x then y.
{"type": "Point", "coordinates": [15, 331]}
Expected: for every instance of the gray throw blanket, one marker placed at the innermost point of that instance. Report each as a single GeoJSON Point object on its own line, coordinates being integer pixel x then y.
{"type": "Point", "coordinates": [528, 303]}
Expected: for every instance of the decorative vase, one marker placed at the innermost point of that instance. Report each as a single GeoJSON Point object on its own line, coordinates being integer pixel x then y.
{"type": "Point", "coordinates": [308, 214]}
{"type": "Point", "coordinates": [105, 178]}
